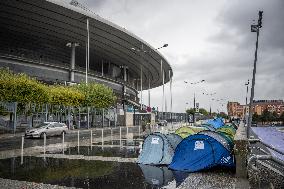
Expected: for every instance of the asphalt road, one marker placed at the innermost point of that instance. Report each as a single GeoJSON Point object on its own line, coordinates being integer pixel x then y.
{"type": "Point", "coordinates": [14, 142]}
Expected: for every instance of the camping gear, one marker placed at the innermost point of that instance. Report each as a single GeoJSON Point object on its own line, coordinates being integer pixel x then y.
{"type": "Point", "coordinates": [157, 176]}
{"type": "Point", "coordinates": [186, 131]}
{"type": "Point", "coordinates": [227, 130]}
{"type": "Point", "coordinates": [158, 148]}
{"type": "Point", "coordinates": [208, 127]}
{"type": "Point", "coordinates": [216, 122]}
{"type": "Point", "coordinates": [201, 151]}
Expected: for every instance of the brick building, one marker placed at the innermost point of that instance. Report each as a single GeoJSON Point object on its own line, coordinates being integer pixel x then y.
{"type": "Point", "coordinates": [235, 109]}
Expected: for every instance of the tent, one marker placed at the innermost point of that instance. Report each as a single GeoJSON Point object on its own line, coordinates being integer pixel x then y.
{"type": "Point", "coordinates": [201, 151]}
{"type": "Point", "coordinates": [227, 130]}
{"type": "Point", "coordinates": [216, 122]}
{"type": "Point", "coordinates": [157, 176]}
{"type": "Point", "coordinates": [158, 149]}
{"type": "Point", "coordinates": [186, 131]}
{"type": "Point", "coordinates": [208, 127]}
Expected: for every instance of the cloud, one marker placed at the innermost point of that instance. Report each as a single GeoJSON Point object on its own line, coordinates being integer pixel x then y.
{"type": "Point", "coordinates": [208, 40]}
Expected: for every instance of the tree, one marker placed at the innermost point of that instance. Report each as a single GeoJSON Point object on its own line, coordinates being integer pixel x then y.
{"type": "Point", "coordinates": [65, 95]}
{"type": "Point", "coordinates": [203, 111]}
{"type": "Point", "coordinates": [255, 117]}
{"type": "Point", "coordinates": [190, 111]}
{"type": "Point", "coordinates": [266, 116]}
{"type": "Point", "coordinates": [281, 118]}
{"type": "Point", "coordinates": [275, 116]}
{"type": "Point", "coordinates": [21, 88]}
{"type": "Point", "coordinates": [96, 95]}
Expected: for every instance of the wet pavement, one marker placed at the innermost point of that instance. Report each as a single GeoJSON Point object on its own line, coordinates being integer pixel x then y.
{"type": "Point", "coordinates": [103, 174]}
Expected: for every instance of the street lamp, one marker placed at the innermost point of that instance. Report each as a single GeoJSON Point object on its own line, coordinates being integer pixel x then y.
{"type": "Point", "coordinates": [193, 83]}
{"type": "Point", "coordinates": [142, 50]}
{"type": "Point", "coordinates": [254, 28]}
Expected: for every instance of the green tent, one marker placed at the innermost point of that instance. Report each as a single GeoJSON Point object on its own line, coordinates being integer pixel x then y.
{"type": "Point", "coordinates": [186, 131]}
{"type": "Point", "coordinates": [227, 130]}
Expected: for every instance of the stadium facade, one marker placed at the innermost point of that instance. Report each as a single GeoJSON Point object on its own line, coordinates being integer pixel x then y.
{"type": "Point", "coordinates": [55, 41]}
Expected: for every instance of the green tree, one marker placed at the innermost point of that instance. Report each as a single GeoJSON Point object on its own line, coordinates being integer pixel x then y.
{"type": "Point", "coordinates": [21, 88]}
{"type": "Point", "coordinates": [190, 111]}
{"type": "Point", "coordinates": [281, 118]}
{"type": "Point", "coordinates": [203, 111]}
{"type": "Point", "coordinates": [65, 95]}
{"type": "Point", "coordinates": [255, 117]}
{"type": "Point", "coordinates": [275, 116]}
{"type": "Point", "coordinates": [266, 116]}
{"type": "Point", "coordinates": [96, 95]}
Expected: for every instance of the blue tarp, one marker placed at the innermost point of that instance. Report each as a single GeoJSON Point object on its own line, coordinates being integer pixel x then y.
{"type": "Point", "coordinates": [216, 122]}
{"type": "Point", "coordinates": [200, 151]}
{"type": "Point", "coordinates": [158, 149]}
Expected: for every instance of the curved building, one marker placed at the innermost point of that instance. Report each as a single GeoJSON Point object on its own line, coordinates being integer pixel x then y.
{"type": "Point", "coordinates": [55, 41]}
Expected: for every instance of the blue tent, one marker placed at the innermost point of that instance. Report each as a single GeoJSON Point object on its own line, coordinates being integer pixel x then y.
{"type": "Point", "coordinates": [216, 122]}
{"type": "Point", "coordinates": [158, 149]}
{"type": "Point", "coordinates": [201, 151]}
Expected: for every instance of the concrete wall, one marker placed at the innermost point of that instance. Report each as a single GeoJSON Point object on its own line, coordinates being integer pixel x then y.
{"type": "Point", "coordinates": [240, 150]}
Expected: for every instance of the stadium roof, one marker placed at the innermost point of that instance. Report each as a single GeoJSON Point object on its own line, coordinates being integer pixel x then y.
{"type": "Point", "coordinates": [48, 25]}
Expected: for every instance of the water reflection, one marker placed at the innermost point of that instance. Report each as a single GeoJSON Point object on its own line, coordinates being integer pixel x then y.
{"type": "Point", "coordinates": [74, 173]}
{"type": "Point", "coordinates": [124, 152]}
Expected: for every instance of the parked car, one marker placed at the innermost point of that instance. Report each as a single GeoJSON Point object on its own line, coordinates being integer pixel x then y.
{"type": "Point", "coordinates": [162, 123]}
{"type": "Point", "coordinates": [49, 128]}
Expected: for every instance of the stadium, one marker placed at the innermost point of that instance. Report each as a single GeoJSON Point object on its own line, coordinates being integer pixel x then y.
{"type": "Point", "coordinates": [64, 42]}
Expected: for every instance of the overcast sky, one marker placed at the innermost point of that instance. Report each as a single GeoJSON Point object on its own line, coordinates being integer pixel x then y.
{"type": "Point", "coordinates": [208, 40]}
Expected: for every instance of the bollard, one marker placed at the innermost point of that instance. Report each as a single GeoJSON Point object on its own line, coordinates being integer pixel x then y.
{"type": "Point", "coordinates": [102, 137]}
{"type": "Point", "coordinates": [91, 139]}
{"type": "Point", "coordinates": [78, 142]}
{"type": "Point", "coordinates": [22, 149]}
{"type": "Point", "coordinates": [63, 135]}
{"type": "Point", "coordinates": [120, 136]}
{"type": "Point", "coordinates": [44, 143]}
{"type": "Point", "coordinates": [111, 137]}
{"type": "Point", "coordinates": [139, 131]}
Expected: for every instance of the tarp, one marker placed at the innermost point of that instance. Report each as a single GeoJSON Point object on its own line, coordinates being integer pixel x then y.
{"type": "Point", "coordinates": [157, 176]}
{"type": "Point", "coordinates": [186, 131]}
{"type": "Point", "coordinates": [216, 122]}
{"type": "Point", "coordinates": [158, 149]}
{"type": "Point", "coordinates": [200, 151]}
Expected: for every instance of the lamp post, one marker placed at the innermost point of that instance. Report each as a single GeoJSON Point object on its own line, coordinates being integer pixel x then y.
{"type": "Point", "coordinates": [254, 28]}
{"type": "Point", "coordinates": [194, 83]}
{"type": "Point", "coordinates": [247, 84]}
{"type": "Point", "coordinates": [142, 50]}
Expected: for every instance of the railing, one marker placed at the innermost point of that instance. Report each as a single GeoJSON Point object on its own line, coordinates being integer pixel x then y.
{"type": "Point", "coordinates": [254, 158]}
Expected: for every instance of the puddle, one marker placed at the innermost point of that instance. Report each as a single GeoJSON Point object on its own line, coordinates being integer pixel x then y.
{"type": "Point", "coordinates": [85, 174]}
{"type": "Point", "coordinates": [123, 152]}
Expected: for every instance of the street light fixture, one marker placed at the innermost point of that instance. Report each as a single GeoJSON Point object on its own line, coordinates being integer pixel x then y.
{"type": "Point", "coordinates": [193, 83]}
{"type": "Point", "coordinates": [254, 28]}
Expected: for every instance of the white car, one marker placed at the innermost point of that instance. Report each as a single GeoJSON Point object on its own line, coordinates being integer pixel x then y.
{"type": "Point", "coordinates": [48, 128]}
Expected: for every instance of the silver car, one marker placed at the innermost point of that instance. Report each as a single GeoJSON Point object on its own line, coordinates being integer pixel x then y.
{"type": "Point", "coordinates": [48, 128]}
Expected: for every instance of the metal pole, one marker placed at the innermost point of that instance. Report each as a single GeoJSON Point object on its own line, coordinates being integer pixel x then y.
{"type": "Point", "coordinates": [120, 136]}
{"type": "Point", "coordinates": [171, 107]}
{"type": "Point", "coordinates": [78, 141]}
{"type": "Point", "coordinates": [63, 142]}
{"type": "Point", "coordinates": [102, 67]}
{"type": "Point", "coordinates": [44, 143]}
{"type": "Point", "coordinates": [254, 72]}
{"type": "Point", "coordinates": [88, 117]}
{"type": "Point", "coordinates": [102, 136]}
{"type": "Point", "coordinates": [87, 50]}
{"type": "Point", "coordinates": [149, 94]}
{"type": "Point", "coordinates": [141, 87]}
{"type": "Point", "coordinates": [22, 150]}
{"type": "Point", "coordinates": [163, 80]}
{"type": "Point", "coordinates": [194, 108]}
{"type": "Point", "coordinates": [91, 138]}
